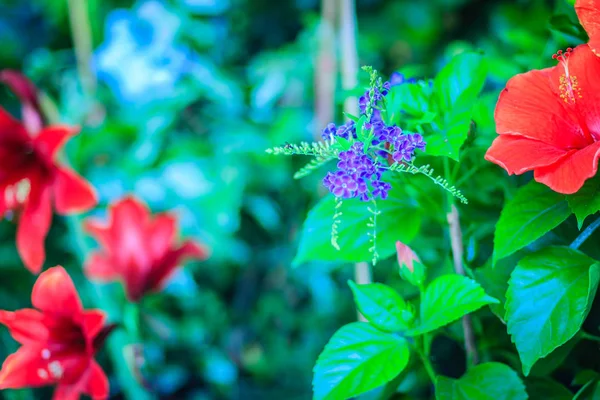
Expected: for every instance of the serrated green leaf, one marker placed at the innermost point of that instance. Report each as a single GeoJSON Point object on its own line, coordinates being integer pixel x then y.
{"type": "Point", "coordinates": [547, 389]}
{"type": "Point", "coordinates": [354, 239]}
{"type": "Point", "coordinates": [494, 280]}
{"type": "Point", "coordinates": [382, 306]}
{"type": "Point", "coordinates": [456, 89]}
{"type": "Point", "coordinates": [586, 201]}
{"type": "Point", "coordinates": [358, 358]}
{"type": "Point", "coordinates": [549, 295]}
{"type": "Point", "coordinates": [489, 381]}
{"type": "Point", "coordinates": [448, 298]}
{"type": "Point", "coordinates": [534, 211]}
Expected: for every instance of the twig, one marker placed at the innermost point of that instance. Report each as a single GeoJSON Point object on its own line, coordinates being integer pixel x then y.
{"type": "Point", "coordinates": [349, 70]}
{"type": "Point", "coordinates": [457, 254]}
{"type": "Point", "coordinates": [583, 236]}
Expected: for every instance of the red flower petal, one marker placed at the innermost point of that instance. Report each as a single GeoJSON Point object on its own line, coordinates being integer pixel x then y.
{"type": "Point", "coordinates": [583, 100]}
{"type": "Point", "coordinates": [92, 323]}
{"type": "Point", "coordinates": [24, 369]}
{"type": "Point", "coordinates": [569, 174]}
{"type": "Point", "coordinates": [162, 233]}
{"type": "Point", "coordinates": [52, 138]}
{"type": "Point", "coordinates": [33, 227]}
{"type": "Point", "coordinates": [100, 268]}
{"type": "Point", "coordinates": [26, 326]}
{"type": "Point", "coordinates": [55, 293]}
{"type": "Point", "coordinates": [72, 193]}
{"type": "Point", "coordinates": [10, 128]}
{"type": "Point", "coordinates": [26, 91]}
{"type": "Point", "coordinates": [128, 221]}
{"type": "Point", "coordinates": [100, 231]}
{"type": "Point", "coordinates": [97, 383]}
{"type": "Point", "coordinates": [161, 273]}
{"type": "Point", "coordinates": [588, 12]}
{"type": "Point", "coordinates": [517, 154]}
{"type": "Point", "coordinates": [530, 107]}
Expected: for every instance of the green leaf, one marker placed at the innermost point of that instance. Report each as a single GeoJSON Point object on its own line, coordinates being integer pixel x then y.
{"type": "Point", "coordinates": [448, 298]}
{"type": "Point", "coordinates": [549, 295]}
{"type": "Point", "coordinates": [590, 391]}
{"type": "Point", "coordinates": [382, 306]}
{"type": "Point", "coordinates": [489, 381]}
{"type": "Point", "coordinates": [358, 358]}
{"type": "Point", "coordinates": [586, 201]}
{"type": "Point", "coordinates": [494, 280]}
{"type": "Point", "coordinates": [456, 89]}
{"type": "Point", "coordinates": [534, 211]}
{"type": "Point", "coordinates": [353, 238]}
{"type": "Point", "coordinates": [547, 389]}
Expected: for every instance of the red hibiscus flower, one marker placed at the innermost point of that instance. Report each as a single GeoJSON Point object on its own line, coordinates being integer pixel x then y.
{"type": "Point", "coordinates": [549, 122]}
{"type": "Point", "coordinates": [59, 339]}
{"type": "Point", "coordinates": [31, 179]}
{"type": "Point", "coordinates": [588, 12]}
{"type": "Point", "coordinates": [137, 248]}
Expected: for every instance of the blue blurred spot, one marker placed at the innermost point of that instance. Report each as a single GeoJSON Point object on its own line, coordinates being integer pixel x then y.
{"type": "Point", "coordinates": [139, 59]}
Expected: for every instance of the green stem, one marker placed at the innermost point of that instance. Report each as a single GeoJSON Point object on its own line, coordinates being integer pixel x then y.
{"type": "Point", "coordinates": [589, 336]}
{"type": "Point", "coordinates": [583, 236]}
{"type": "Point", "coordinates": [426, 362]}
{"type": "Point", "coordinates": [119, 340]}
{"type": "Point", "coordinates": [81, 32]}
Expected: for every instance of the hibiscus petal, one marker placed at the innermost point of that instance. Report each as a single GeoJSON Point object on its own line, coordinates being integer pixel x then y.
{"type": "Point", "coordinates": [33, 227]}
{"type": "Point", "coordinates": [72, 193]}
{"type": "Point", "coordinates": [52, 138]}
{"type": "Point", "coordinates": [517, 154]}
{"type": "Point", "coordinates": [584, 98]}
{"type": "Point", "coordinates": [100, 268]}
{"type": "Point", "coordinates": [55, 293]}
{"type": "Point", "coordinates": [569, 174]}
{"type": "Point", "coordinates": [530, 107]}
{"type": "Point", "coordinates": [24, 368]}
{"type": "Point", "coordinates": [588, 12]}
{"type": "Point", "coordinates": [97, 382]}
{"type": "Point", "coordinates": [26, 326]}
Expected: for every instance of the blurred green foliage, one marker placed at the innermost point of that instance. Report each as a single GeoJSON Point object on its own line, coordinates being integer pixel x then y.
{"type": "Point", "coordinates": [244, 324]}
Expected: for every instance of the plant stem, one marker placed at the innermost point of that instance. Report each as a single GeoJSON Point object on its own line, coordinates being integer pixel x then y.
{"type": "Point", "coordinates": [119, 340]}
{"type": "Point", "coordinates": [81, 33]}
{"type": "Point", "coordinates": [326, 71]}
{"type": "Point", "coordinates": [589, 336]}
{"type": "Point", "coordinates": [583, 236]}
{"type": "Point", "coordinates": [426, 362]}
{"type": "Point", "coordinates": [457, 256]}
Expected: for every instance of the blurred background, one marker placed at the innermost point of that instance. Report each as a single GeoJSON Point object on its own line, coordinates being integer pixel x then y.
{"type": "Point", "coordinates": [178, 101]}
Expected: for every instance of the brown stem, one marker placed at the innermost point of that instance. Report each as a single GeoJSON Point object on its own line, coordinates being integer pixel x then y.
{"type": "Point", "coordinates": [349, 71]}
{"type": "Point", "coordinates": [457, 254]}
{"type": "Point", "coordinates": [326, 71]}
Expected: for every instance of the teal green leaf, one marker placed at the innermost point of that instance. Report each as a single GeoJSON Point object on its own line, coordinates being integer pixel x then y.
{"type": "Point", "coordinates": [586, 201]}
{"type": "Point", "coordinates": [489, 381]}
{"type": "Point", "coordinates": [494, 280]}
{"type": "Point", "coordinates": [549, 295]}
{"type": "Point", "coordinates": [547, 389]}
{"type": "Point", "coordinates": [448, 298]}
{"type": "Point", "coordinates": [382, 306]}
{"type": "Point", "coordinates": [456, 89]}
{"type": "Point", "coordinates": [534, 211]}
{"type": "Point", "coordinates": [358, 358]}
{"type": "Point", "coordinates": [400, 219]}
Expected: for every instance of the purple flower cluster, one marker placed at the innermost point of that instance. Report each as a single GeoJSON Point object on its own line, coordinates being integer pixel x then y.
{"type": "Point", "coordinates": [359, 172]}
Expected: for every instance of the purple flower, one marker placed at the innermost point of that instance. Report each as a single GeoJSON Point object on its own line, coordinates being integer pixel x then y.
{"type": "Point", "coordinates": [403, 149]}
{"type": "Point", "coordinates": [398, 78]}
{"type": "Point", "coordinates": [381, 189]}
{"type": "Point", "coordinates": [417, 141]}
{"type": "Point", "coordinates": [329, 132]}
{"type": "Point", "coordinates": [347, 130]}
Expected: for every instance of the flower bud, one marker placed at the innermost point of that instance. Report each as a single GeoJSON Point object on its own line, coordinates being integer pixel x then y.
{"type": "Point", "coordinates": [411, 268]}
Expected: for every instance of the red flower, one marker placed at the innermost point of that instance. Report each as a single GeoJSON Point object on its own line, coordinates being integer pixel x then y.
{"type": "Point", "coordinates": [549, 122]}
{"type": "Point", "coordinates": [31, 180]}
{"type": "Point", "coordinates": [137, 248]}
{"type": "Point", "coordinates": [59, 339]}
{"type": "Point", "coordinates": [588, 12]}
